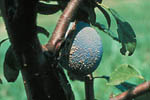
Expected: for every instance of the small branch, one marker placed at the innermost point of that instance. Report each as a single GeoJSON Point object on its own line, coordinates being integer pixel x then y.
{"type": "Point", "coordinates": [135, 92]}
{"type": "Point", "coordinates": [89, 87]}
{"type": "Point", "coordinates": [58, 35]}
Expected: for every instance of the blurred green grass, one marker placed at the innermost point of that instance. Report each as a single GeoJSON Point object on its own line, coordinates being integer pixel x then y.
{"type": "Point", "coordinates": [135, 12]}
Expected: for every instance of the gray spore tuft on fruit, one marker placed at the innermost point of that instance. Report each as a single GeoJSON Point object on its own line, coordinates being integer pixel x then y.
{"type": "Point", "coordinates": [82, 51]}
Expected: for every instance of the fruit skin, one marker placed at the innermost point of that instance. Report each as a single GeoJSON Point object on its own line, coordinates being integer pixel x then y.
{"type": "Point", "coordinates": [82, 54]}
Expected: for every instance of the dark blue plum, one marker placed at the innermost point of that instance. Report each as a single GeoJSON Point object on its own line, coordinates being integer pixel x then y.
{"type": "Point", "coordinates": [82, 54]}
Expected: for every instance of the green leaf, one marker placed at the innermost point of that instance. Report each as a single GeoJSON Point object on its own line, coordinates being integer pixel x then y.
{"type": "Point", "coordinates": [125, 86]}
{"type": "Point", "coordinates": [1, 42]}
{"type": "Point", "coordinates": [106, 30]}
{"type": "Point", "coordinates": [125, 34]}
{"type": "Point", "coordinates": [123, 73]}
{"type": "Point", "coordinates": [42, 30]}
{"type": "Point", "coordinates": [92, 15]}
{"type": "Point", "coordinates": [11, 66]}
{"type": "Point", "coordinates": [1, 82]}
{"type": "Point", "coordinates": [105, 14]}
{"type": "Point", "coordinates": [47, 9]}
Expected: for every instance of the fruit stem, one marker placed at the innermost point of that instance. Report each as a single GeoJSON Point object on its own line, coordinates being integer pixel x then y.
{"type": "Point", "coordinates": [89, 87]}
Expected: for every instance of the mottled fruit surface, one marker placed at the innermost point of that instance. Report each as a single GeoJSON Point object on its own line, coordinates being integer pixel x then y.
{"type": "Point", "coordinates": [82, 53]}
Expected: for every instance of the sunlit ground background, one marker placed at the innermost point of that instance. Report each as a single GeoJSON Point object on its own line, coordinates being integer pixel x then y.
{"type": "Point", "coordinates": [134, 11]}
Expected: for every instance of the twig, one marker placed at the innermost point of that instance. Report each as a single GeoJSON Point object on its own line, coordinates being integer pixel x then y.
{"type": "Point", "coordinates": [58, 35]}
{"type": "Point", "coordinates": [135, 92]}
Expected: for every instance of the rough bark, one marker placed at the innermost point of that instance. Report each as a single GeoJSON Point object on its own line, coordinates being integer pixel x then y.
{"type": "Point", "coordinates": [134, 92]}
{"type": "Point", "coordinates": [39, 69]}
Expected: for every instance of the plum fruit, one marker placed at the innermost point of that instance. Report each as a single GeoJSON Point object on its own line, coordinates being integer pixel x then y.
{"type": "Point", "coordinates": [83, 51]}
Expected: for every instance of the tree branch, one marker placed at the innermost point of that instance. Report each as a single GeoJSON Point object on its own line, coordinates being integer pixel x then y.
{"type": "Point", "coordinates": [39, 69]}
{"type": "Point", "coordinates": [58, 35]}
{"type": "Point", "coordinates": [135, 92]}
